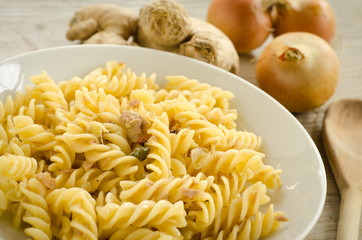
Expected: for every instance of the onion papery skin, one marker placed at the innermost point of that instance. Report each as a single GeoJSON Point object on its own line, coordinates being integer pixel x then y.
{"type": "Point", "coordinates": [299, 84]}
{"type": "Point", "coordinates": [313, 16]}
{"type": "Point", "coordinates": [246, 22]}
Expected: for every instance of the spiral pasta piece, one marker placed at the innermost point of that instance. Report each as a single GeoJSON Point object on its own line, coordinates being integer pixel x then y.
{"type": "Point", "coordinates": [181, 110]}
{"type": "Point", "coordinates": [214, 162]}
{"type": "Point", "coordinates": [49, 94]}
{"type": "Point", "coordinates": [77, 203]}
{"type": "Point", "coordinates": [222, 98]}
{"type": "Point", "coordinates": [9, 190]}
{"type": "Point", "coordinates": [208, 134]}
{"type": "Point", "coordinates": [185, 115]}
{"type": "Point", "coordinates": [254, 228]}
{"type": "Point", "coordinates": [226, 188]}
{"type": "Point", "coordinates": [64, 154]}
{"type": "Point", "coordinates": [17, 167]}
{"type": "Point", "coordinates": [200, 213]}
{"type": "Point", "coordinates": [159, 156]}
{"type": "Point", "coordinates": [91, 180]}
{"type": "Point", "coordinates": [110, 157]}
{"type": "Point", "coordinates": [183, 83]}
{"type": "Point", "coordinates": [116, 135]}
{"type": "Point", "coordinates": [87, 101]}
{"type": "Point", "coordinates": [19, 148]}
{"type": "Point", "coordinates": [182, 141]}
{"type": "Point", "coordinates": [34, 110]}
{"type": "Point", "coordinates": [172, 189]}
{"type": "Point", "coordinates": [238, 140]}
{"type": "Point", "coordinates": [36, 209]}
{"type": "Point", "coordinates": [162, 215]}
{"type": "Point", "coordinates": [14, 104]}
{"type": "Point", "coordinates": [262, 225]}
{"type": "Point", "coordinates": [268, 176]}
{"type": "Point", "coordinates": [240, 209]}
{"type": "Point", "coordinates": [200, 91]}
{"type": "Point", "coordinates": [218, 117]}
{"type": "Point", "coordinates": [34, 134]}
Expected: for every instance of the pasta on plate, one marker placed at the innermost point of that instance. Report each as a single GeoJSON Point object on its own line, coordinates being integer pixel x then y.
{"type": "Point", "coordinates": [113, 156]}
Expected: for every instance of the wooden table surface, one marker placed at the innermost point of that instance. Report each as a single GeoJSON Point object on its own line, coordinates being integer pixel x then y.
{"type": "Point", "coordinates": [27, 25]}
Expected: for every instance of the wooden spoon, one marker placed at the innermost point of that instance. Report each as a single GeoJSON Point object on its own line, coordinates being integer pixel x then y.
{"type": "Point", "coordinates": [342, 135]}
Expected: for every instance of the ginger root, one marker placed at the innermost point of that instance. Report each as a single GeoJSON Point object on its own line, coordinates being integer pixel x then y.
{"type": "Point", "coordinates": [208, 44]}
{"type": "Point", "coordinates": [103, 23]}
{"type": "Point", "coordinates": [162, 24]}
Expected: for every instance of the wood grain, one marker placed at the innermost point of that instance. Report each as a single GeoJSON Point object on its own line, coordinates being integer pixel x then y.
{"type": "Point", "coordinates": [27, 25]}
{"type": "Point", "coordinates": [342, 136]}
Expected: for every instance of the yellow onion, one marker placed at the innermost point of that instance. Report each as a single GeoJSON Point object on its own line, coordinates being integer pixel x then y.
{"type": "Point", "coordinates": [246, 22]}
{"type": "Point", "coordinates": [298, 69]}
{"type": "Point", "coordinates": [314, 16]}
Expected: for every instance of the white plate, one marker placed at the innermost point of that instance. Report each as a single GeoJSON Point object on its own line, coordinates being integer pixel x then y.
{"type": "Point", "coordinates": [286, 143]}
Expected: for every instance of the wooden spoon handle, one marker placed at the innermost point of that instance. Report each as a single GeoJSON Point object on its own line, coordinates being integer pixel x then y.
{"type": "Point", "coordinates": [349, 215]}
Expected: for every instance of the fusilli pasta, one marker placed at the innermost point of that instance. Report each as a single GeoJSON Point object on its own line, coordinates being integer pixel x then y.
{"type": "Point", "coordinates": [112, 156]}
